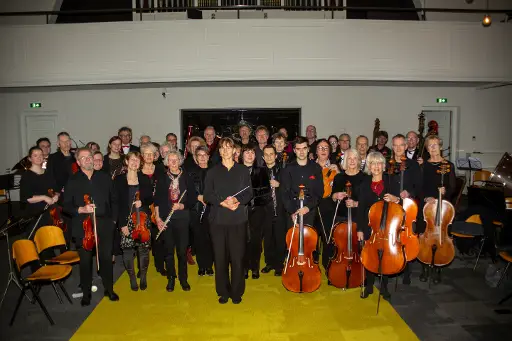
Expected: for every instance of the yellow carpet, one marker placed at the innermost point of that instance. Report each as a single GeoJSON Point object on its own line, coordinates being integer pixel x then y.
{"type": "Point", "coordinates": [268, 312]}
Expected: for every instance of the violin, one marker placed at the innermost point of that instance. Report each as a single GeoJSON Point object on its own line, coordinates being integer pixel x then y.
{"type": "Point", "coordinates": [407, 236]}
{"type": "Point", "coordinates": [140, 231]}
{"type": "Point", "coordinates": [436, 246]}
{"type": "Point", "coordinates": [346, 270]}
{"type": "Point", "coordinates": [383, 253]}
{"type": "Point", "coordinates": [55, 214]}
{"type": "Point", "coordinates": [328, 178]}
{"type": "Point", "coordinates": [301, 274]}
{"type": "Point", "coordinates": [90, 234]}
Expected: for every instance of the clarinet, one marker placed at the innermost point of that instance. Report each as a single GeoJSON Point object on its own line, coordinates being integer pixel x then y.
{"type": "Point", "coordinates": [274, 193]}
{"type": "Point", "coordinates": [202, 213]}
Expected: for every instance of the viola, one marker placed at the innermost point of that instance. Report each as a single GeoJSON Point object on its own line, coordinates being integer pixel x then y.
{"type": "Point", "coordinates": [436, 246]}
{"type": "Point", "coordinates": [140, 231]}
{"type": "Point", "coordinates": [56, 214]}
{"type": "Point", "coordinates": [328, 178]}
{"type": "Point", "coordinates": [346, 270]}
{"type": "Point", "coordinates": [90, 239]}
{"type": "Point", "coordinates": [301, 274]}
{"type": "Point", "coordinates": [407, 236]}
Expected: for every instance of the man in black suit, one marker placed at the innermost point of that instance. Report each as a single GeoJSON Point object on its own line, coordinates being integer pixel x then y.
{"type": "Point", "coordinates": [125, 133]}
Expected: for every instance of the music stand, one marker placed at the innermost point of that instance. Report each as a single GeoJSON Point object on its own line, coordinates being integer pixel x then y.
{"type": "Point", "coordinates": [470, 164]}
{"type": "Point", "coordinates": [4, 231]}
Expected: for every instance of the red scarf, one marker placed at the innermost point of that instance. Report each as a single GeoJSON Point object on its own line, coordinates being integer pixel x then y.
{"type": "Point", "coordinates": [377, 187]}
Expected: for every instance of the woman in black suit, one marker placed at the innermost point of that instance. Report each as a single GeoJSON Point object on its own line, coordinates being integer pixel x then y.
{"type": "Point", "coordinates": [127, 186]}
{"type": "Point", "coordinates": [373, 189]}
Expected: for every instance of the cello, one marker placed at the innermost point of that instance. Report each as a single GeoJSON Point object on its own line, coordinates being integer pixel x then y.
{"type": "Point", "coordinates": [90, 239]}
{"type": "Point", "coordinates": [407, 236]}
{"type": "Point", "coordinates": [55, 214]}
{"type": "Point", "coordinates": [436, 246]}
{"type": "Point", "coordinates": [301, 274]}
{"type": "Point", "coordinates": [346, 270]}
{"type": "Point", "coordinates": [140, 231]}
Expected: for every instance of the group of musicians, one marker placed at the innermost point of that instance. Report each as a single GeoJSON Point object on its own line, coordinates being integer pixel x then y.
{"type": "Point", "coordinates": [230, 199]}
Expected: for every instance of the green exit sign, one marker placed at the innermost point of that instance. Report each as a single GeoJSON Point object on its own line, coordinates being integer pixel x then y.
{"type": "Point", "coordinates": [442, 100]}
{"type": "Point", "coordinates": [35, 105]}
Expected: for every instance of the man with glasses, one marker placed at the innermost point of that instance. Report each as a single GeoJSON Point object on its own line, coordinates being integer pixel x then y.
{"type": "Point", "coordinates": [228, 191]}
{"type": "Point", "coordinates": [413, 152]}
{"type": "Point", "coordinates": [362, 149]}
{"type": "Point", "coordinates": [98, 185]}
{"type": "Point", "coordinates": [344, 143]}
{"type": "Point", "coordinates": [125, 133]}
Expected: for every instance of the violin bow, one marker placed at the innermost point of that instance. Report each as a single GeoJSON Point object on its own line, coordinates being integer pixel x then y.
{"type": "Point", "coordinates": [291, 241]}
{"type": "Point", "coordinates": [96, 238]}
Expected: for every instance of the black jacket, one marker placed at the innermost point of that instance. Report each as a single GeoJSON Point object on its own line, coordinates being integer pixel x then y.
{"type": "Point", "coordinates": [60, 168]}
{"type": "Point", "coordinates": [161, 198]}
{"type": "Point", "coordinates": [294, 175]}
{"type": "Point", "coordinates": [260, 183]}
{"type": "Point", "coordinates": [125, 203]}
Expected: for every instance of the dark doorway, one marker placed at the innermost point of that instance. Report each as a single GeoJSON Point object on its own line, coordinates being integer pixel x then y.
{"type": "Point", "coordinates": [226, 121]}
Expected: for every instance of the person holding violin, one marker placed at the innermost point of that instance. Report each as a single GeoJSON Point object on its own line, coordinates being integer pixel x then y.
{"type": "Point", "coordinates": [113, 162]}
{"type": "Point", "coordinates": [325, 207]}
{"type": "Point", "coordinates": [283, 156]}
{"type": "Point", "coordinates": [373, 189]}
{"type": "Point", "coordinates": [431, 185]}
{"type": "Point", "coordinates": [34, 188]}
{"type": "Point", "coordinates": [351, 173]}
{"type": "Point", "coordinates": [135, 194]}
{"type": "Point", "coordinates": [104, 207]}
{"type": "Point", "coordinates": [173, 199]}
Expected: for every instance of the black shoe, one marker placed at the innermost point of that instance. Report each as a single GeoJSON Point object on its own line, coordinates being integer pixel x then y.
{"type": "Point", "coordinates": [86, 301]}
{"type": "Point", "coordinates": [266, 269]}
{"type": "Point", "coordinates": [133, 283]}
{"type": "Point", "coordinates": [209, 272]}
{"type": "Point", "coordinates": [170, 285]}
{"type": "Point", "coordinates": [255, 274]}
{"type": "Point", "coordinates": [367, 292]}
{"type": "Point", "coordinates": [424, 274]}
{"type": "Point", "coordinates": [184, 285]}
{"type": "Point", "coordinates": [143, 284]}
{"type": "Point", "coordinates": [246, 274]}
{"type": "Point", "coordinates": [436, 276]}
{"type": "Point", "coordinates": [112, 296]}
{"type": "Point", "coordinates": [278, 272]}
{"type": "Point", "coordinates": [236, 300]}
{"type": "Point", "coordinates": [223, 300]}
{"type": "Point", "coordinates": [201, 272]}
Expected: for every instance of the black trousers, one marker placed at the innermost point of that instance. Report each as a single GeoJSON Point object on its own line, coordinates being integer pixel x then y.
{"type": "Point", "coordinates": [157, 248]}
{"type": "Point", "coordinates": [370, 281]}
{"type": "Point", "coordinates": [257, 221]}
{"type": "Point", "coordinates": [229, 243]}
{"type": "Point", "coordinates": [105, 230]}
{"type": "Point", "coordinates": [175, 238]}
{"type": "Point", "coordinates": [323, 224]}
{"type": "Point", "coordinates": [274, 237]}
{"type": "Point", "coordinates": [202, 240]}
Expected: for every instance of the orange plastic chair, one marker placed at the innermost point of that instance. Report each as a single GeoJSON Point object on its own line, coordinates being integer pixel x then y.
{"type": "Point", "coordinates": [48, 237]}
{"type": "Point", "coordinates": [24, 252]}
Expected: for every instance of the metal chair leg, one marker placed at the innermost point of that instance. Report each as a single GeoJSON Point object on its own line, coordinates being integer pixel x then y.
{"type": "Point", "coordinates": [20, 299]}
{"type": "Point", "coordinates": [503, 275]}
{"type": "Point", "coordinates": [43, 308]}
{"type": "Point", "coordinates": [479, 253]}
{"type": "Point", "coordinates": [57, 292]}
{"type": "Point", "coordinates": [65, 292]}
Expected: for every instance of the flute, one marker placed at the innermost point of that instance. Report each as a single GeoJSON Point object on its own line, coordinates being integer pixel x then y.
{"type": "Point", "coordinates": [169, 216]}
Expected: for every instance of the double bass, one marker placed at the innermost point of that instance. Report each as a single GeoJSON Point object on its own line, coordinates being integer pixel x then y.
{"type": "Point", "coordinates": [140, 231]}
{"type": "Point", "coordinates": [90, 239]}
{"type": "Point", "coordinates": [301, 274]}
{"type": "Point", "coordinates": [436, 246]}
{"type": "Point", "coordinates": [345, 270]}
{"type": "Point", "coordinates": [56, 214]}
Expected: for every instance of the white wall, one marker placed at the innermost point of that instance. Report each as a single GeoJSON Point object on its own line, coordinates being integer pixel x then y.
{"type": "Point", "coordinates": [28, 6]}
{"type": "Point", "coordinates": [97, 114]}
{"type": "Point", "coordinates": [220, 50]}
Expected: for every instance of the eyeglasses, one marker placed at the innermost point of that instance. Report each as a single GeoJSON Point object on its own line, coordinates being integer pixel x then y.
{"type": "Point", "coordinates": [323, 148]}
{"type": "Point", "coordinates": [88, 158]}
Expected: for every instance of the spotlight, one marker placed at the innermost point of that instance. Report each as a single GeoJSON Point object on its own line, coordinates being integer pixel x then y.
{"type": "Point", "coordinates": [486, 21]}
